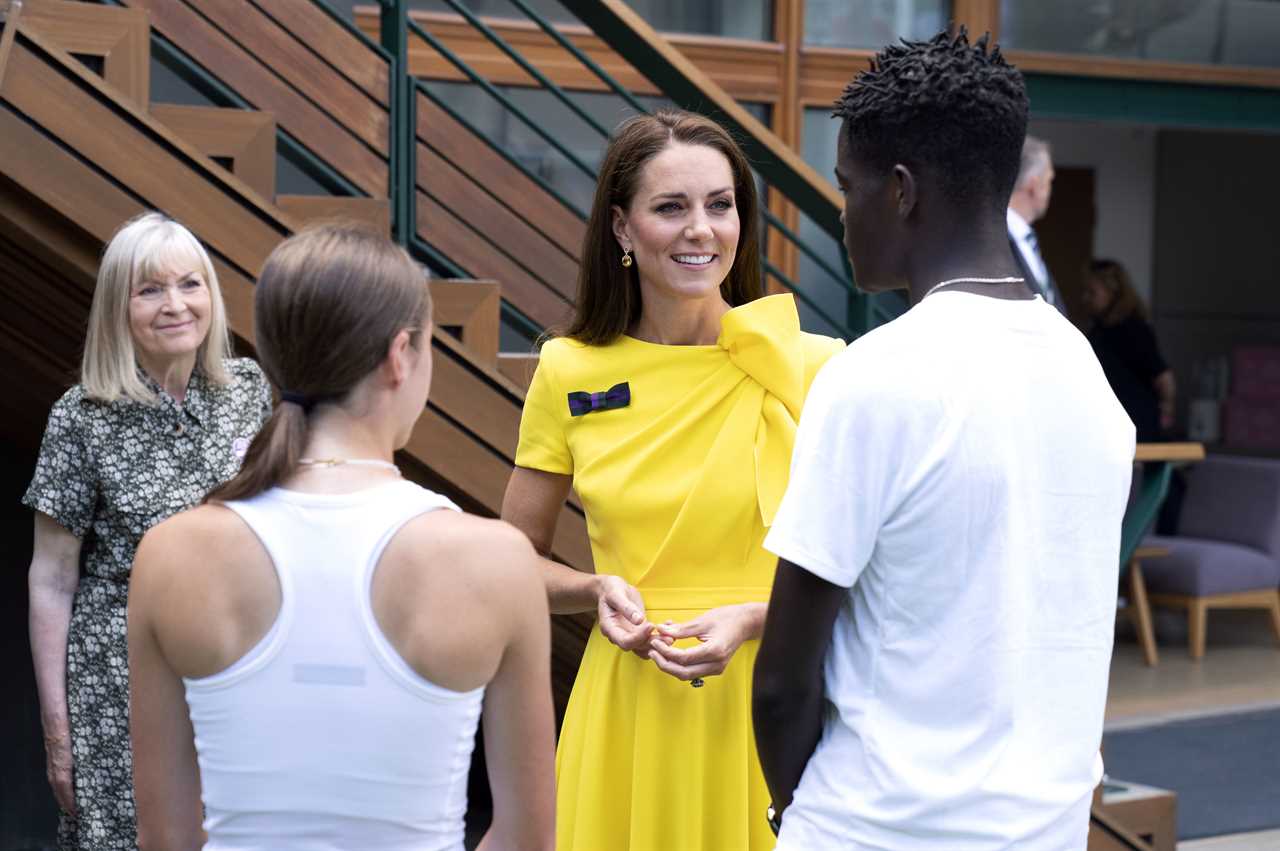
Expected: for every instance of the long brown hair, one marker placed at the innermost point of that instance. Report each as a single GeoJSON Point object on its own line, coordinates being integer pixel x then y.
{"type": "Point", "coordinates": [327, 305]}
{"type": "Point", "coordinates": [609, 295]}
{"type": "Point", "coordinates": [1125, 301]}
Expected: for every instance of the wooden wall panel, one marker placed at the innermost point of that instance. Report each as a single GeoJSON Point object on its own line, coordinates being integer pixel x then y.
{"type": "Point", "coordinates": [483, 258]}
{"type": "Point", "coordinates": [256, 83]}
{"type": "Point", "coordinates": [455, 143]}
{"type": "Point", "coordinates": [71, 114]}
{"type": "Point", "coordinates": [458, 190]}
{"type": "Point", "coordinates": [329, 39]}
{"type": "Point", "coordinates": [303, 70]}
{"type": "Point", "coordinates": [121, 37]}
{"type": "Point", "coordinates": [748, 70]}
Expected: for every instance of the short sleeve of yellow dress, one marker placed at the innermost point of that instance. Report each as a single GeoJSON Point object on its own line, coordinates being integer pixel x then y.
{"type": "Point", "coordinates": [679, 486]}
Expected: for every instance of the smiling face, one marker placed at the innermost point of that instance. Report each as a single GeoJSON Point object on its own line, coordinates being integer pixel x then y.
{"type": "Point", "coordinates": [682, 223]}
{"type": "Point", "coordinates": [169, 313]}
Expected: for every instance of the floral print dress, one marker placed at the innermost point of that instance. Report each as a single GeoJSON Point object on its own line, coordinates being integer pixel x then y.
{"type": "Point", "coordinates": [108, 472]}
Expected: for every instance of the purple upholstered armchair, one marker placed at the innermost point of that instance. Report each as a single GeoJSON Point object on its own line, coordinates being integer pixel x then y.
{"type": "Point", "coordinates": [1227, 552]}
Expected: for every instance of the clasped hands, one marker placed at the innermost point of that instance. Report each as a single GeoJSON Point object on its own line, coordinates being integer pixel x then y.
{"type": "Point", "coordinates": [720, 631]}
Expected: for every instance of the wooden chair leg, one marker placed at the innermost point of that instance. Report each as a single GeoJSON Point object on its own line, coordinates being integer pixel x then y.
{"type": "Point", "coordinates": [1275, 615]}
{"type": "Point", "coordinates": [1140, 611]}
{"type": "Point", "coordinates": [1197, 617]}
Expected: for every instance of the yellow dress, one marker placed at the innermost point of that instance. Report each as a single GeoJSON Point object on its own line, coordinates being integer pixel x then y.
{"type": "Point", "coordinates": [678, 487]}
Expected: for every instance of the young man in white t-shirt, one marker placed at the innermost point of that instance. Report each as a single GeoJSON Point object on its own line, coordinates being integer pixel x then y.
{"type": "Point", "coordinates": [933, 670]}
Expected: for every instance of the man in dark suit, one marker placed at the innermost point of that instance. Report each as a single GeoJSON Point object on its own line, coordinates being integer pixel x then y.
{"type": "Point", "coordinates": [1027, 205]}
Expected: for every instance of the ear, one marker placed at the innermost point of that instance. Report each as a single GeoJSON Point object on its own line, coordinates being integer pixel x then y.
{"type": "Point", "coordinates": [400, 358]}
{"type": "Point", "coordinates": [620, 227]}
{"type": "Point", "coordinates": [904, 190]}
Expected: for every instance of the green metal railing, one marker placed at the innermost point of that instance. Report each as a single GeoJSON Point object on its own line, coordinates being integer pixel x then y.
{"type": "Point", "coordinates": [395, 30]}
{"type": "Point", "coordinates": [397, 27]}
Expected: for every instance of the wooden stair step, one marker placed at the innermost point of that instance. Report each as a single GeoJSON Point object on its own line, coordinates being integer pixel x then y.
{"type": "Point", "coordinates": [120, 37]}
{"type": "Point", "coordinates": [374, 213]}
{"type": "Point", "coordinates": [246, 137]}
{"type": "Point", "coordinates": [518, 367]}
{"type": "Point", "coordinates": [472, 307]}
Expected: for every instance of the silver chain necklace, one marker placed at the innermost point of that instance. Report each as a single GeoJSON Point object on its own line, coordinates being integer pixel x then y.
{"type": "Point", "coordinates": [942, 284]}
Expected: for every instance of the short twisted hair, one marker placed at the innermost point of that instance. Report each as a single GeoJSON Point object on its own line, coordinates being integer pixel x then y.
{"type": "Point", "coordinates": [942, 106]}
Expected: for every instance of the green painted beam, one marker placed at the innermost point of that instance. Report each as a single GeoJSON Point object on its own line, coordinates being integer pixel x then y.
{"type": "Point", "coordinates": [1153, 102]}
{"type": "Point", "coordinates": [402, 163]}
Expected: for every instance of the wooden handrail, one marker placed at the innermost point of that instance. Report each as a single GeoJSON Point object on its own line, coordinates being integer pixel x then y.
{"type": "Point", "coordinates": [1169, 452]}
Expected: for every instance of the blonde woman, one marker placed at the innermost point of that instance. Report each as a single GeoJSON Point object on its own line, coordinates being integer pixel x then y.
{"type": "Point", "coordinates": [161, 416]}
{"type": "Point", "coordinates": [319, 684]}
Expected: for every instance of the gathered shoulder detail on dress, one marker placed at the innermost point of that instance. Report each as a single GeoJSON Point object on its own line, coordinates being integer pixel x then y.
{"type": "Point", "coordinates": [764, 340]}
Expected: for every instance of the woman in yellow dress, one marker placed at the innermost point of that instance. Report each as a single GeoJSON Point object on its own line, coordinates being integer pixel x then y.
{"type": "Point", "coordinates": [670, 404]}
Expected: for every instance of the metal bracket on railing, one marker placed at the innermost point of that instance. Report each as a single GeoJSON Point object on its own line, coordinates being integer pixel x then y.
{"type": "Point", "coordinates": [10, 11]}
{"type": "Point", "coordinates": [395, 40]}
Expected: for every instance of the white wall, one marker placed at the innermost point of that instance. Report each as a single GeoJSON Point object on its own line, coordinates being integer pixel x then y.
{"type": "Point", "coordinates": [1123, 159]}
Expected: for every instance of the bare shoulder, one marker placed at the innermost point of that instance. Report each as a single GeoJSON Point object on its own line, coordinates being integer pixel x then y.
{"type": "Point", "coordinates": [492, 545]}
{"type": "Point", "coordinates": [489, 557]}
{"type": "Point", "coordinates": [214, 531]}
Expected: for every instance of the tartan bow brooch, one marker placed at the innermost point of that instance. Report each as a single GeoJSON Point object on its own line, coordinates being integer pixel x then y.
{"type": "Point", "coordinates": [617, 396]}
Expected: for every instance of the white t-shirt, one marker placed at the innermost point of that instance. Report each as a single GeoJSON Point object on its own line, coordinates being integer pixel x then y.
{"type": "Point", "coordinates": [963, 471]}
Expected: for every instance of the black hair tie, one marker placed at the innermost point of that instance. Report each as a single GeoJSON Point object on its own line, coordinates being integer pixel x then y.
{"type": "Point", "coordinates": [300, 399]}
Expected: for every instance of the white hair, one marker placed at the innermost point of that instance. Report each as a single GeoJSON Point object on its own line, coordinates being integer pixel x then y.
{"type": "Point", "coordinates": [145, 246]}
{"type": "Point", "coordinates": [1036, 157]}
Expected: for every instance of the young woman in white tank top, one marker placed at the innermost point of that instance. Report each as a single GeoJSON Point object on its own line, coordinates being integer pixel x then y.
{"type": "Point", "coordinates": [311, 649]}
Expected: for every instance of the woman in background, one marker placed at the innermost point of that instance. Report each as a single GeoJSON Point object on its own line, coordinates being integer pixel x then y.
{"type": "Point", "coordinates": [318, 682]}
{"type": "Point", "coordinates": [669, 405]}
{"type": "Point", "coordinates": [161, 415]}
{"type": "Point", "coordinates": [1125, 344]}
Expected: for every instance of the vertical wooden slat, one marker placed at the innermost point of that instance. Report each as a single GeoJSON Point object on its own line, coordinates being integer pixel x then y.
{"type": "Point", "coordinates": [787, 123]}
{"type": "Point", "coordinates": [980, 16]}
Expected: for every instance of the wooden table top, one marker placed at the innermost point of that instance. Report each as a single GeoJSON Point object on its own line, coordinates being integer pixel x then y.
{"type": "Point", "coordinates": [1169, 452]}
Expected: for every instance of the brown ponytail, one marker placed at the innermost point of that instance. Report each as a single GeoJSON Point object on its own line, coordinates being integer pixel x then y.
{"type": "Point", "coordinates": [327, 305]}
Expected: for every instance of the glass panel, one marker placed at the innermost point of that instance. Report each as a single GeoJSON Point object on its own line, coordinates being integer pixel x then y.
{"type": "Point", "coordinates": [531, 150]}
{"type": "Point", "coordinates": [872, 23]}
{"type": "Point", "coordinates": [1218, 32]}
{"type": "Point", "coordinates": [751, 19]}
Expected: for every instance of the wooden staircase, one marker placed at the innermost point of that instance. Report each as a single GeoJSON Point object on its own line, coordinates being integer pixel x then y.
{"type": "Point", "coordinates": [82, 149]}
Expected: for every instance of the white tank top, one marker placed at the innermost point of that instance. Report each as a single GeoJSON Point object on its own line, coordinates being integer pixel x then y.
{"type": "Point", "coordinates": [321, 737]}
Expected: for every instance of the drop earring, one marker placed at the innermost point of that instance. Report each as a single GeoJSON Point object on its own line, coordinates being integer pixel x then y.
{"type": "Point", "coordinates": [626, 258]}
